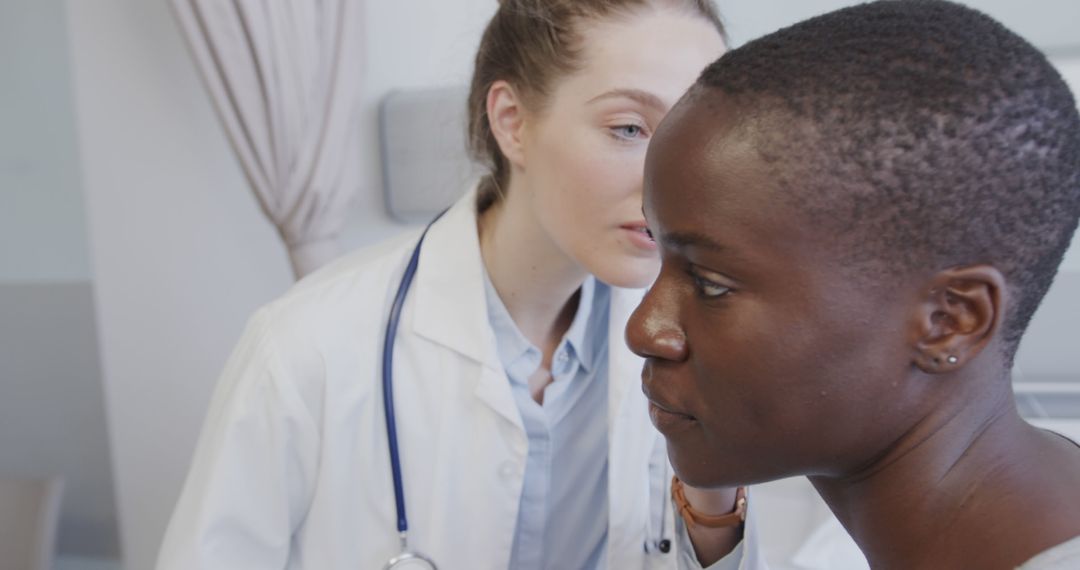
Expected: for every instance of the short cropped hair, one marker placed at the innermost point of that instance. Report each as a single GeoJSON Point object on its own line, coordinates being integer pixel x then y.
{"type": "Point", "coordinates": [925, 135]}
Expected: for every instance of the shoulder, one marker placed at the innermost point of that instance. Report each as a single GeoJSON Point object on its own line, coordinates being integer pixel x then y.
{"type": "Point", "coordinates": [331, 315]}
{"type": "Point", "coordinates": [351, 288]}
{"type": "Point", "coordinates": [330, 320]}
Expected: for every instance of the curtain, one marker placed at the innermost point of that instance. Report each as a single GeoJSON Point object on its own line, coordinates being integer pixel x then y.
{"type": "Point", "coordinates": [285, 78]}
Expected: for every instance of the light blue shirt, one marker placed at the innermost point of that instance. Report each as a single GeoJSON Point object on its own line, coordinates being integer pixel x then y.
{"type": "Point", "coordinates": [563, 518]}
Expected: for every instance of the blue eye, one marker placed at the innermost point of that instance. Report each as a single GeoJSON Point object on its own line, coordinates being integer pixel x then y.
{"type": "Point", "coordinates": [628, 132]}
{"type": "Point", "coordinates": [709, 289]}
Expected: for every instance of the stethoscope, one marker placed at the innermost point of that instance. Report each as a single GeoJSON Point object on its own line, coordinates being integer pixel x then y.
{"type": "Point", "coordinates": [409, 558]}
{"type": "Point", "coordinates": [662, 544]}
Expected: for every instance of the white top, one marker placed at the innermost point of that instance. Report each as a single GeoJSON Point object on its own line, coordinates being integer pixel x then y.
{"type": "Point", "coordinates": [292, 469]}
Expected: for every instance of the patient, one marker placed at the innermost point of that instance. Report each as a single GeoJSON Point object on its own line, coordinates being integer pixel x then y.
{"type": "Point", "coordinates": [858, 216]}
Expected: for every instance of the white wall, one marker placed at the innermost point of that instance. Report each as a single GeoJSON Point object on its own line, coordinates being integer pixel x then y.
{"type": "Point", "coordinates": [1049, 24]}
{"type": "Point", "coordinates": [42, 225]}
{"type": "Point", "coordinates": [1049, 349]}
{"type": "Point", "coordinates": [52, 420]}
{"type": "Point", "coordinates": [181, 254]}
{"type": "Point", "coordinates": [414, 44]}
{"type": "Point", "coordinates": [1068, 64]}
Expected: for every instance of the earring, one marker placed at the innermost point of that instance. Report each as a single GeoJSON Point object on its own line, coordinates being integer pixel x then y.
{"type": "Point", "coordinates": [952, 360]}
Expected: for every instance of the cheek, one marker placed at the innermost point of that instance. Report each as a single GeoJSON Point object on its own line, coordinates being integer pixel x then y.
{"type": "Point", "coordinates": [587, 188]}
{"type": "Point", "coordinates": [740, 366]}
{"type": "Point", "coordinates": [761, 368]}
{"type": "Point", "coordinates": [593, 170]}
{"type": "Point", "coordinates": [813, 386]}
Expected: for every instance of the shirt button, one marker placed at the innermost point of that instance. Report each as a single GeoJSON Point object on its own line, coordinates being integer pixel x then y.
{"type": "Point", "coordinates": [507, 470]}
{"type": "Point", "coordinates": [562, 357]}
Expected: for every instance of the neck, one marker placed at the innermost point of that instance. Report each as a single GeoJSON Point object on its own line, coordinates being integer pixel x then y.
{"type": "Point", "coordinates": [535, 279]}
{"type": "Point", "coordinates": [956, 490]}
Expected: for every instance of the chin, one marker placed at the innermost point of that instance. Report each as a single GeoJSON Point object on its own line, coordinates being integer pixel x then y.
{"type": "Point", "coordinates": [625, 272]}
{"type": "Point", "coordinates": [706, 470]}
{"type": "Point", "coordinates": [694, 476]}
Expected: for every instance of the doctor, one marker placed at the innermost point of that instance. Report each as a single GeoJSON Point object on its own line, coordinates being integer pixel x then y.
{"type": "Point", "coordinates": [523, 436]}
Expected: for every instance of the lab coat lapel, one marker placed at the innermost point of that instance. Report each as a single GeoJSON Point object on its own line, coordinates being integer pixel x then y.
{"type": "Point", "coordinates": [631, 440]}
{"type": "Point", "coordinates": [624, 368]}
{"type": "Point", "coordinates": [451, 309]}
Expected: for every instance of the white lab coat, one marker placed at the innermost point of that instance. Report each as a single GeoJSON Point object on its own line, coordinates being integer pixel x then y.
{"type": "Point", "coordinates": [292, 468]}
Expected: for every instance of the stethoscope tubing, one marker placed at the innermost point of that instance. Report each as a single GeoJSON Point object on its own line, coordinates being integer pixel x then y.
{"type": "Point", "coordinates": [388, 377]}
{"type": "Point", "coordinates": [388, 387]}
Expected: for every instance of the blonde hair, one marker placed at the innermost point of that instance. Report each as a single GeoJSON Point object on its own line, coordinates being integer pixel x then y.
{"type": "Point", "coordinates": [529, 43]}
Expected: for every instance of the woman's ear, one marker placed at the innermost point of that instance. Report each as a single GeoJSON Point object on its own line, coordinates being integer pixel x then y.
{"type": "Point", "coordinates": [960, 314]}
{"type": "Point", "coordinates": [506, 117]}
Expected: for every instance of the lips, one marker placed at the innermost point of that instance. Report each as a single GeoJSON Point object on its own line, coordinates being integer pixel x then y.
{"type": "Point", "coordinates": [664, 416]}
{"type": "Point", "coordinates": [638, 234]}
{"type": "Point", "coordinates": [669, 423]}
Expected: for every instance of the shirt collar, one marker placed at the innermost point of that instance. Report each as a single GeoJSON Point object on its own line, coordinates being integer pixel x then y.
{"type": "Point", "coordinates": [520, 357]}
{"type": "Point", "coordinates": [586, 331]}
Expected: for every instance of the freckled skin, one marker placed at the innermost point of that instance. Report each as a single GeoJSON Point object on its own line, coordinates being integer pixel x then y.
{"type": "Point", "coordinates": [789, 365]}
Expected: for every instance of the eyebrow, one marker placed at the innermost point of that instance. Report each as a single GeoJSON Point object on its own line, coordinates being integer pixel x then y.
{"type": "Point", "coordinates": [683, 240]}
{"type": "Point", "coordinates": [642, 97]}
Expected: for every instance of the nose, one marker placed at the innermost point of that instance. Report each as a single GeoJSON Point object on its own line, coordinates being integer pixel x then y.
{"type": "Point", "coordinates": [653, 330]}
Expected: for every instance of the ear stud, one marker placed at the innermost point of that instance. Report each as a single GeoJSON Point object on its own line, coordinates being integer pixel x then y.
{"type": "Point", "coordinates": [952, 360]}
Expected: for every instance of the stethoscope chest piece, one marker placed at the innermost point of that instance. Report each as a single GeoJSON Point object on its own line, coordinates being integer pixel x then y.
{"type": "Point", "coordinates": [410, 561]}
